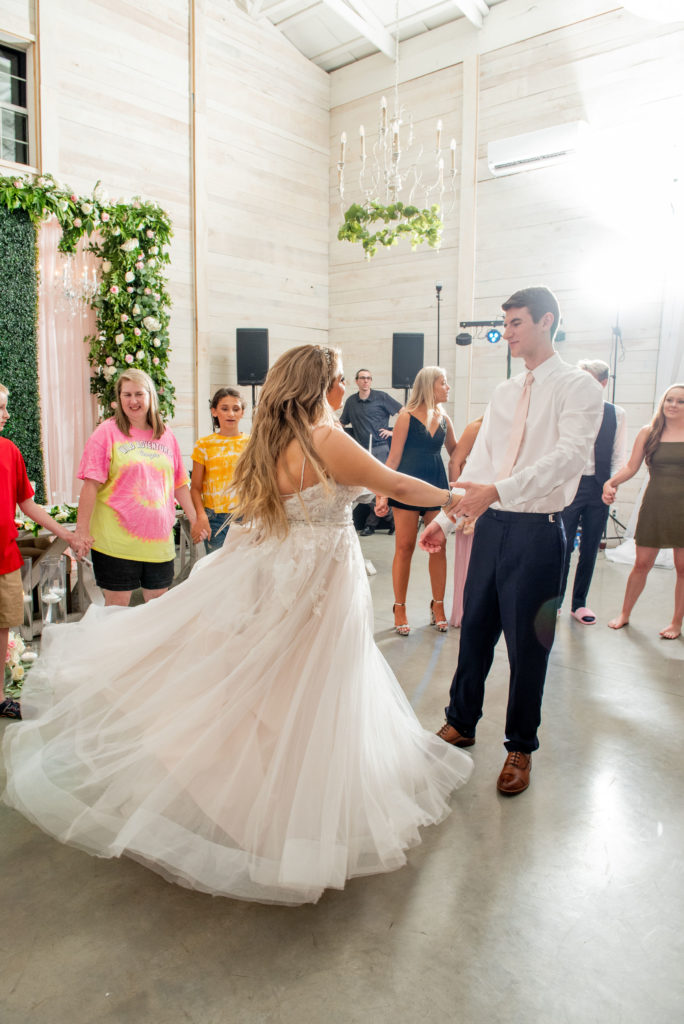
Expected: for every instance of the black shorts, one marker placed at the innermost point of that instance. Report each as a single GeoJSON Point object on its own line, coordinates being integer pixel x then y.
{"type": "Point", "coordinates": [393, 503]}
{"type": "Point", "coordinates": [127, 574]}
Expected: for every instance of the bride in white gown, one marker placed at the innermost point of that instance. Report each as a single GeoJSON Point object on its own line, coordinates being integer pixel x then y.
{"type": "Point", "coordinates": [243, 735]}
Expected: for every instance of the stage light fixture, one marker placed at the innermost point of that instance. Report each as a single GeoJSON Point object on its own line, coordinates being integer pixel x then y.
{"type": "Point", "coordinates": [493, 336]}
{"type": "Point", "coordinates": [464, 339]}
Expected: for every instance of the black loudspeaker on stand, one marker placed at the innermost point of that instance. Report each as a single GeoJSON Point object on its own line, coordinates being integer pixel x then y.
{"type": "Point", "coordinates": [407, 359]}
{"type": "Point", "coordinates": [252, 357]}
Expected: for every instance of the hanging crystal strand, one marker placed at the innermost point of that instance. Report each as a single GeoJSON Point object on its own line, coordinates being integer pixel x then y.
{"type": "Point", "coordinates": [395, 182]}
{"type": "Point", "coordinates": [340, 166]}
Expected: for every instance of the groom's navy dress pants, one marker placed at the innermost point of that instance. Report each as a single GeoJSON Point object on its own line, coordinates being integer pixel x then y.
{"type": "Point", "coordinates": [512, 586]}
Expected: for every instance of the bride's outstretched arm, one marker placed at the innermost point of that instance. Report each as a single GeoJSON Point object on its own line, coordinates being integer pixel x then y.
{"type": "Point", "coordinates": [349, 463]}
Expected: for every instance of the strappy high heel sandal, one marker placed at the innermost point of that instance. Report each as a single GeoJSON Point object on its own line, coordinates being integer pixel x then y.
{"type": "Point", "coordinates": [441, 624]}
{"type": "Point", "coordinates": [403, 629]}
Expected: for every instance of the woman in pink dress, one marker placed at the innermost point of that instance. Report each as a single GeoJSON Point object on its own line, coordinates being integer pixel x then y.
{"type": "Point", "coordinates": [463, 537]}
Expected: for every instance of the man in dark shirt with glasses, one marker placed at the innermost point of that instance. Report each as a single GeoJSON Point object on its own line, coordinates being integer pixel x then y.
{"type": "Point", "coordinates": [368, 413]}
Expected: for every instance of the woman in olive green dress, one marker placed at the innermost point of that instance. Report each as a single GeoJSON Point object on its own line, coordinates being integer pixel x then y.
{"type": "Point", "coordinates": [661, 517]}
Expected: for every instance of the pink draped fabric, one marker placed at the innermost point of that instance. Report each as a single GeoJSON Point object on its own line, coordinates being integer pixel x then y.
{"type": "Point", "coordinates": [68, 411]}
{"type": "Point", "coordinates": [462, 548]}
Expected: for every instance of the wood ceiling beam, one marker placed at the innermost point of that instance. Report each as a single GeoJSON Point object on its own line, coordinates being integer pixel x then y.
{"type": "Point", "coordinates": [363, 21]}
{"type": "Point", "coordinates": [474, 10]}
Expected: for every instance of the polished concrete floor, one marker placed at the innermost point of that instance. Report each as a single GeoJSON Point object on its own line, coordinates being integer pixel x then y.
{"type": "Point", "coordinates": [564, 904]}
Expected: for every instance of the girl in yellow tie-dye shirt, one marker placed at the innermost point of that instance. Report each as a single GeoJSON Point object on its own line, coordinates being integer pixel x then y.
{"type": "Point", "coordinates": [213, 463]}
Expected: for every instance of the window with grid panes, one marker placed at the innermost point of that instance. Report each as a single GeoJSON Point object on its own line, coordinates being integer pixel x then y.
{"type": "Point", "coordinates": [14, 127]}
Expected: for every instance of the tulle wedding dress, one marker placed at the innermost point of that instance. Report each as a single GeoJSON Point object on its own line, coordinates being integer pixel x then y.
{"type": "Point", "coordinates": [241, 735]}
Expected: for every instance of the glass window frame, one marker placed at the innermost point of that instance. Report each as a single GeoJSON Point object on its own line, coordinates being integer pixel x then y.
{"type": "Point", "coordinates": [25, 50]}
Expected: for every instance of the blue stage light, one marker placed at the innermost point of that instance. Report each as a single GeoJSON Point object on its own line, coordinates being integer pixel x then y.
{"type": "Point", "coordinates": [493, 336]}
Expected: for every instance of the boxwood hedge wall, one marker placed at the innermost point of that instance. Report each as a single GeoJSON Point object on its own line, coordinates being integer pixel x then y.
{"type": "Point", "coordinates": [18, 351]}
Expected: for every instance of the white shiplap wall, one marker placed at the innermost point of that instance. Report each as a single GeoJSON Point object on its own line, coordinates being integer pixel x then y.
{"type": "Point", "coordinates": [592, 228]}
{"type": "Point", "coordinates": [218, 118]}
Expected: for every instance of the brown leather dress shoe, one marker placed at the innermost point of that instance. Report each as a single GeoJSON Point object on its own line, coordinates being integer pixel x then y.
{"type": "Point", "coordinates": [453, 736]}
{"type": "Point", "coordinates": [515, 774]}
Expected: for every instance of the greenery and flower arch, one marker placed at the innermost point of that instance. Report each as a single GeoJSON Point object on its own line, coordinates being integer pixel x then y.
{"type": "Point", "coordinates": [400, 220]}
{"type": "Point", "coordinates": [132, 301]}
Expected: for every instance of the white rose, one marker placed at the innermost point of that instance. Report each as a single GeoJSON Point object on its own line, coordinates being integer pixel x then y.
{"type": "Point", "coordinates": [100, 194]}
{"type": "Point", "coordinates": [154, 250]}
{"type": "Point", "coordinates": [129, 276]}
{"type": "Point", "coordinates": [62, 517]}
{"type": "Point", "coordinates": [86, 208]}
{"type": "Point", "coordinates": [106, 266]}
{"type": "Point", "coordinates": [109, 372]}
{"type": "Point", "coordinates": [156, 342]}
{"type": "Point", "coordinates": [17, 674]}
{"type": "Point", "coordinates": [41, 182]}
{"type": "Point", "coordinates": [130, 244]}
{"type": "Point", "coordinates": [140, 354]}
{"type": "Point", "coordinates": [119, 339]}
{"type": "Point", "coordinates": [136, 310]}
{"type": "Point", "coordinates": [151, 323]}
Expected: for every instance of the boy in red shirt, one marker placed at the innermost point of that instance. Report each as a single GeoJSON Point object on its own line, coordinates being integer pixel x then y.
{"type": "Point", "coordinates": [15, 489]}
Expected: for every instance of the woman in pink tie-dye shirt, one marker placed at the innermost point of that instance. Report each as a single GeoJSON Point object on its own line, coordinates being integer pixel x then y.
{"type": "Point", "coordinates": [132, 473]}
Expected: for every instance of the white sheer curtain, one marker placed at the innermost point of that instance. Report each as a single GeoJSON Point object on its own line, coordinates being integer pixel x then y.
{"type": "Point", "coordinates": [68, 411]}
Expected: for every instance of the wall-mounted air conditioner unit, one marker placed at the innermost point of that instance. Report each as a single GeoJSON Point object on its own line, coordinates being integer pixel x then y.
{"type": "Point", "coordinates": [534, 149]}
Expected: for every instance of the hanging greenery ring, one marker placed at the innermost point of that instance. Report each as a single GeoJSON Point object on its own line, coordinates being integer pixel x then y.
{"type": "Point", "coordinates": [132, 302]}
{"type": "Point", "coordinates": [399, 220]}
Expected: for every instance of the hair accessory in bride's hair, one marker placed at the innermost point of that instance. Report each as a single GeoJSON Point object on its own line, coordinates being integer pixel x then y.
{"type": "Point", "coordinates": [329, 357]}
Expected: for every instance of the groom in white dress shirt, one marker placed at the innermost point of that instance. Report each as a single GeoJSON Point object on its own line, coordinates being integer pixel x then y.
{"type": "Point", "coordinates": [524, 468]}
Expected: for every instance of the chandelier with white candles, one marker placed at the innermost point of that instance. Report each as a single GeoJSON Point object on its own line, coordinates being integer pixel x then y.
{"type": "Point", "coordinates": [397, 180]}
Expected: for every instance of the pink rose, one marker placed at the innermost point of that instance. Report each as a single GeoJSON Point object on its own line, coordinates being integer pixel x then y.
{"type": "Point", "coordinates": [18, 183]}
{"type": "Point", "coordinates": [77, 222]}
{"type": "Point", "coordinates": [109, 360]}
{"type": "Point", "coordinates": [73, 198]}
{"type": "Point", "coordinates": [155, 360]}
{"type": "Point", "coordinates": [139, 265]}
{"type": "Point", "coordinates": [148, 291]}
{"type": "Point", "coordinates": [104, 216]}
{"type": "Point", "coordinates": [129, 290]}
{"type": "Point", "coordinates": [157, 296]}
{"type": "Point", "coordinates": [137, 332]}
{"type": "Point", "coordinates": [123, 318]}
{"type": "Point", "coordinates": [149, 234]}
{"type": "Point", "coordinates": [129, 358]}
{"type": "Point", "coordinates": [114, 289]}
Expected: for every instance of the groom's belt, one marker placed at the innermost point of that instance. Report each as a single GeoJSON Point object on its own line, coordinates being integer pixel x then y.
{"type": "Point", "coordinates": [519, 517]}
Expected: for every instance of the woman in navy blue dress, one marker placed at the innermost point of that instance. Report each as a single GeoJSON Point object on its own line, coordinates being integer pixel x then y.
{"type": "Point", "coordinates": [421, 429]}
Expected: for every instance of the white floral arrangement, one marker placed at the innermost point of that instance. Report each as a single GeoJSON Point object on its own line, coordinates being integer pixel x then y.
{"type": "Point", "coordinates": [18, 661]}
{"type": "Point", "coordinates": [66, 513]}
{"type": "Point", "coordinates": [132, 302]}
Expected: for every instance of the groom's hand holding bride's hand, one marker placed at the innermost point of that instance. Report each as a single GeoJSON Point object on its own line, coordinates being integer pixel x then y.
{"type": "Point", "coordinates": [475, 501]}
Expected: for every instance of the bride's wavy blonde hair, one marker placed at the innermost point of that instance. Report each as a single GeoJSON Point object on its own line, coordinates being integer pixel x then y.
{"type": "Point", "coordinates": [293, 400]}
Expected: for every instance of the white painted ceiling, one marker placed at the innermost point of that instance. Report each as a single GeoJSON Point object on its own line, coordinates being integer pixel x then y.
{"type": "Point", "coordinates": [333, 33]}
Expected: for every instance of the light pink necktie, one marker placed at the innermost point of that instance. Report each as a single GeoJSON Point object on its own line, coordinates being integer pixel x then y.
{"type": "Point", "coordinates": [517, 430]}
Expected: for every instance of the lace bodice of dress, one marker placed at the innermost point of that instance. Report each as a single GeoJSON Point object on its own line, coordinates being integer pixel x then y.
{"type": "Point", "coordinates": [321, 506]}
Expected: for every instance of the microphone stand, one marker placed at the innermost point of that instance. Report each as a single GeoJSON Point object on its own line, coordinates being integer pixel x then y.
{"type": "Point", "coordinates": [438, 289]}
{"type": "Point", "coordinates": [616, 347]}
